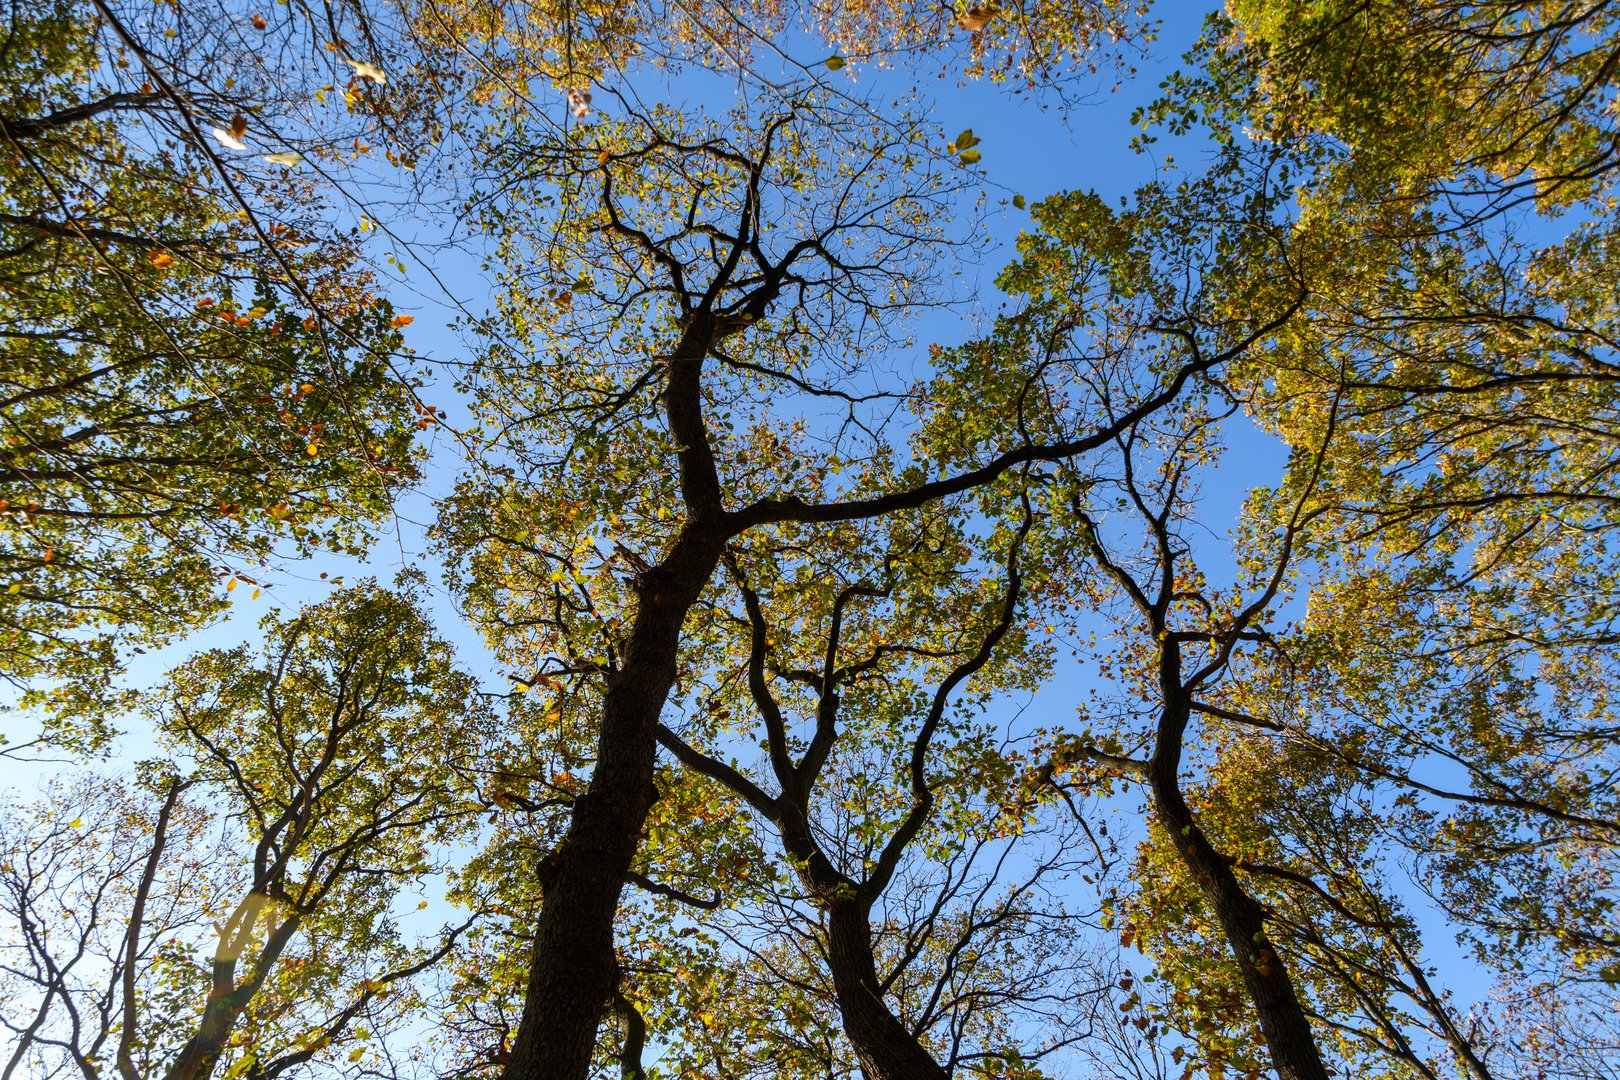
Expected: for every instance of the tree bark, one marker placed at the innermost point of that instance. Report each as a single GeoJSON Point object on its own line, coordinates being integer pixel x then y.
{"type": "Point", "coordinates": [1287, 1029]}
{"type": "Point", "coordinates": [573, 972]}
{"type": "Point", "coordinates": [883, 1045]}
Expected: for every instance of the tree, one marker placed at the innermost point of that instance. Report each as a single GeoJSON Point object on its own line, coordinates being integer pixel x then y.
{"type": "Point", "coordinates": [713, 270]}
{"type": "Point", "coordinates": [197, 371]}
{"type": "Point", "coordinates": [234, 907]}
{"type": "Point", "coordinates": [1454, 169]}
{"type": "Point", "coordinates": [841, 828]}
{"type": "Point", "coordinates": [684, 412]}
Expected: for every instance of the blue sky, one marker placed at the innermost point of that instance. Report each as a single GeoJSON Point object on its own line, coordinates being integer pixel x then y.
{"type": "Point", "coordinates": [1030, 146]}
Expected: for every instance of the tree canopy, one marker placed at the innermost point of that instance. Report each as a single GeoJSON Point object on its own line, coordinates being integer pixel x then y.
{"type": "Point", "coordinates": [1196, 663]}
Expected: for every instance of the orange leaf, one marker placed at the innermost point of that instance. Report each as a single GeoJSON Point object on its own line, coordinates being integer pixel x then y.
{"type": "Point", "coordinates": [401, 320]}
{"type": "Point", "coordinates": [977, 19]}
{"type": "Point", "coordinates": [258, 22]}
{"type": "Point", "coordinates": [161, 259]}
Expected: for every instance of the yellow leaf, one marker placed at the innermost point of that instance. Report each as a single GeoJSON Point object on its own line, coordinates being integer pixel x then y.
{"type": "Point", "coordinates": [363, 70]}
{"type": "Point", "coordinates": [256, 593]}
{"type": "Point", "coordinates": [76, 823]}
{"type": "Point", "coordinates": [231, 584]}
{"type": "Point", "coordinates": [14, 588]}
{"type": "Point", "coordinates": [312, 450]}
{"type": "Point", "coordinates": [401, 320]}
{"type": "Point", "coordinates": [358, 1053]}
{"type": "Point", "coordinates": [162, 259]}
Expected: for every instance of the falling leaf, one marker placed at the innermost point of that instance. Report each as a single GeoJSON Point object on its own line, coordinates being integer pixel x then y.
{"type": "Point", "coordinates": [579, 102]}
{"type": "Point", "coordinates": [225, 138]}
{"type": "Point", "coordinates": [161, 259]}
{"type": "Point", "coordinates": [836, 63]}
{"type": "Point", "coordinates": [401, 320]}
{"type": "Point", "coordinates": [1020, 202]}
{"type": "Point", "coordinates": [288, 160]}
{"type": "Point", "coordinates": [230, 585]}
{"type": "Point", "coordinates": [976, 19]}
{"type": "Point", "coordinates": [239, 125]}
{"type": "Point", "coordinates": [256, 593]}
{"type": "Point", "coordinates": [363, 70]}
{"type": "Point", "coordinates": [258, 22]}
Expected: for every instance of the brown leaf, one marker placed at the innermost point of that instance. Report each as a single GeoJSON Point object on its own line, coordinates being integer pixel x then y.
{"type": "Point", "coordinates": [977, 18]}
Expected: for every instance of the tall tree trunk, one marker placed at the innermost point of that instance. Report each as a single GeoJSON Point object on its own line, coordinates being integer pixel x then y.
{"type": "Point", "coordinates": [227, 1000]}
{"type": "Point", "coordinates": [573, 973]}
{"type": "Point", "coordinates": [1288, 1033]}
{"type": "Point", "coordinates": [883, 1045]}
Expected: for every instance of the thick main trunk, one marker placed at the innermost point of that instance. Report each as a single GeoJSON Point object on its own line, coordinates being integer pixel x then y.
{"type": "Point", "coordinates": [1265, 977]}
{"type": "Point", "coordinates": [573, 973]}
{"type": "Point", "coordinates": [885, 1049]}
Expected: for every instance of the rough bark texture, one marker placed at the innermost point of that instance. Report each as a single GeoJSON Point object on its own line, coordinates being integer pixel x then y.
{"type": "Point", "coordinates": [883, 1045]}
{"type": "Point", "coordinates": [1287, 1029]}
{"type": "Point", "coordinates": [573, 974]}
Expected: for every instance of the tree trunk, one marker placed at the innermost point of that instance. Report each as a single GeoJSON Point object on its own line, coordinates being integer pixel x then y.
{"type": "Point", "coordinates": [574, 973]}
{"type": "Point", "coordinates": [227, 1000]}
{"type": "Point", "coordinates": [885, 1049]}
{"type": "Point", "coordinates": [1287, 1029]}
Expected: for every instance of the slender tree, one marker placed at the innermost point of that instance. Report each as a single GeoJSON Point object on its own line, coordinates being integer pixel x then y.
{"type": "Point", "coordinates": [234, 907]}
